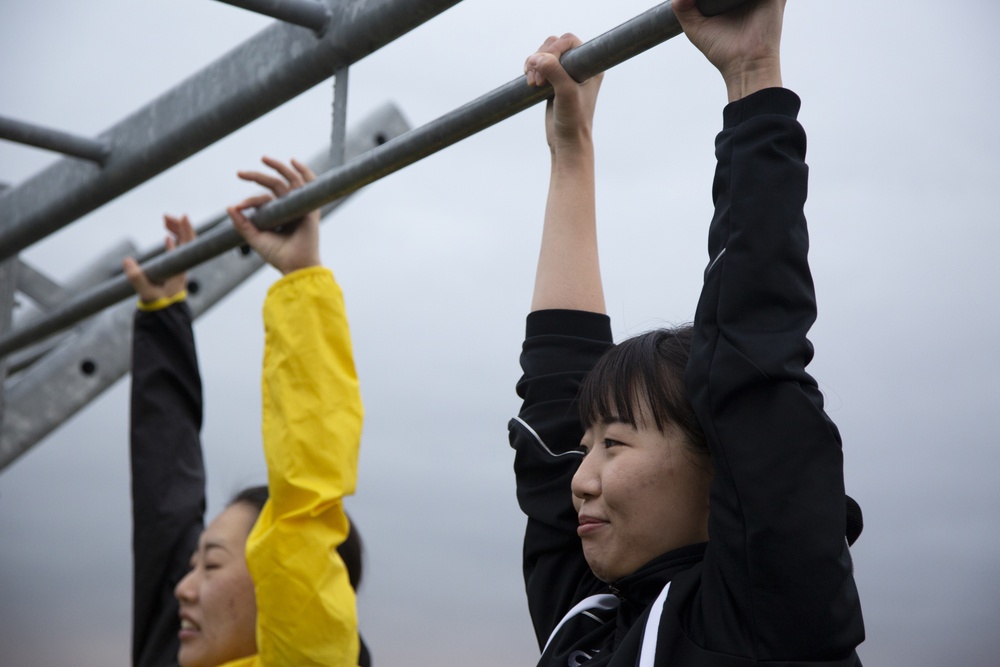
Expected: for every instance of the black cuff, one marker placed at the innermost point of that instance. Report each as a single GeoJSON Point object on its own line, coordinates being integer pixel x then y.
{"type": "Point", "coordinates": [780, 101]}
{"type": "Point", "coordinates": [580, 323]}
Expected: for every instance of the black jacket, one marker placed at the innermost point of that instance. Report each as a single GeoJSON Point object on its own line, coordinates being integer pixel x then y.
{"type": "Point", "coordinates": [168, 476]}
{"type": "Point", "coordinates": [774, 583]}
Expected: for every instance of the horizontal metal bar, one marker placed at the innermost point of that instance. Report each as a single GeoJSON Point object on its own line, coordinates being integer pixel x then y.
{"type": "Point", "coordinates": [54, 140]}
{"type": "Point", "coordinates": [587, 60]}
{"type": "Point", "coordinates": [267, 70]}
{"type": "Point", "coordinates": [379, 127]}
{"type": "Point", "coordinates": [200, 230]}
{"type": "Point", "coordinates": [306, 13]}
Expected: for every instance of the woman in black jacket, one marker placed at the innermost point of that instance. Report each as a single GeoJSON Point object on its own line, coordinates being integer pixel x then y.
{"type": "Point", "coordinates": [684, 489]}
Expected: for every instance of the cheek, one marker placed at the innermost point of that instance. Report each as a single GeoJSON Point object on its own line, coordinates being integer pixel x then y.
{"type": "Point", "coordinates": [243, 603]}
{"type": "Point", "coordinates": [631, 483]}
{"type": "Point", "coordinates": [230, 598]}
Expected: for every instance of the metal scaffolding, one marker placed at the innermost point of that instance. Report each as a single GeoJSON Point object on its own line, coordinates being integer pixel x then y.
{"type": "Point", "coordinates": [274, 66]}
{"type": "Point", "coordinates": [52, 375]}
{"type": "Point", "coordinates": [68, 375]}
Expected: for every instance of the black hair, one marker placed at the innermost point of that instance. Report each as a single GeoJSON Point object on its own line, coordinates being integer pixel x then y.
{"type": "Point", "coordinates": [351, 550]}
{"type": "Point", "coordinates": [254, 496]}
{"type": "Point", "coordinates": [647, 369]}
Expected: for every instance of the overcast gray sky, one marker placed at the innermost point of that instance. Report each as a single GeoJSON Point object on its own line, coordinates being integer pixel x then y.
{"type": "Point", "coordinates": [437, 261]}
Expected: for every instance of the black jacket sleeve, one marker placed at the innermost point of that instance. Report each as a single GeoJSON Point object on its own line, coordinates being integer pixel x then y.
{"type": "Point", "coordinates": [168, 476]}
{"type": "Point", "coordinates": [777, 580]}
{"type": "Point", "coordinates": [560, 348]}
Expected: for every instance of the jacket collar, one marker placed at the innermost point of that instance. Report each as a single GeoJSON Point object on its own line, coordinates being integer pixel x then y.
{"type": "Point", "coordinates": [639, 589]}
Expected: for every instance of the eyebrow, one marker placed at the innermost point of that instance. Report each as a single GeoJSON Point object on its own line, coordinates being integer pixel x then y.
{"type": "Point", "coordinates": [214, 545]}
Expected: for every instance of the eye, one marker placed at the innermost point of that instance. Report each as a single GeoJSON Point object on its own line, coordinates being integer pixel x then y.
{"type": "Point", "coordinates": [609, 443]}
{"type": "Point", "coordinates": [583, 448]}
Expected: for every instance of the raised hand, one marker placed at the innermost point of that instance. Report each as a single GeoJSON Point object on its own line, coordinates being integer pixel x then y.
{"type": "Point", "coordinates": [181, 232]}
{"type": "Point", "coordinates": [569, 116]}
{"type": "Point", "coordinates": [743, 43]}
{"type": "Point", "coordinates": [296, 245]}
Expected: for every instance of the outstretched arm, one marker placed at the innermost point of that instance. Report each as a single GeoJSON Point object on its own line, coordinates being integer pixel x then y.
{"type": "Point", "coordinates": [777, 566]}
{"type": "Point", "coordinates": [168, 477]}
{"type": "Point", "coordinates": [311, 430]}
{"type": "Point", "coordinates": [565, 335]}
{"type": "Point", "coordinates": [568, 274]}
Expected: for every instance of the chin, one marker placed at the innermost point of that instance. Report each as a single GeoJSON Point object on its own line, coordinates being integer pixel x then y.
{"type": "Point", "coordinates": [600, 570]}
{"type": "Point", "coordinates": [189, 658]}
{"type": "Point", "coordinates": [608, 570]}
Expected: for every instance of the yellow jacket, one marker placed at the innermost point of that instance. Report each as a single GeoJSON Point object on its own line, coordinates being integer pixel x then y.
{"type": "Point", "coordinates": [306, 612]}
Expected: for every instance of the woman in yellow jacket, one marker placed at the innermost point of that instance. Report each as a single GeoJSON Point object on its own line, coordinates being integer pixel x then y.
{"type": "Point", "coordinates": [271, 589]}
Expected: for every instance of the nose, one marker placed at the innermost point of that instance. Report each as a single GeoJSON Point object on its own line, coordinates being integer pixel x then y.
{"type": "Point", "coordinates": [586, 482]}
{"type": "Point", "coordinates": [185, 590]}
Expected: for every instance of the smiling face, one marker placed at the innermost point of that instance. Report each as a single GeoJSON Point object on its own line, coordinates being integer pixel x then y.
{"type": "Point", "coordinates": [640, 493]}
{"type": "Point", "coordinates": [218, 609]}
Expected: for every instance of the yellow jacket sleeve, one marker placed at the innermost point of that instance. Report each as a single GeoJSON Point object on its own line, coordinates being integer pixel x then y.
{"type": "Point", "coordinates": [306, 612]}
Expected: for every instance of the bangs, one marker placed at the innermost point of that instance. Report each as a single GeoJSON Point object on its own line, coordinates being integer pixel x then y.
{"type": "Point", "coordinates": [612, 391]}
{"type": "Point", "coordinates": [638, 380]}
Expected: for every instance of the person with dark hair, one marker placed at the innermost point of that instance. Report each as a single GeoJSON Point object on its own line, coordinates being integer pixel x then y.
{"type": "Point", "coordinates": [684, 489]}
{"type": "Point", "coordinates": [351, 550]}
{"type": "Point", "coordinates": [202, 609]}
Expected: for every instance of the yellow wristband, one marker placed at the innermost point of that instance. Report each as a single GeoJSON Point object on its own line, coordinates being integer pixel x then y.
{"type": "Point", "coordinates": [164, 302]}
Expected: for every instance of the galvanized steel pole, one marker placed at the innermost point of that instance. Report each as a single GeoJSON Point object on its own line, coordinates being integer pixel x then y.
{"type": "Point", "coordinates": [599, 54]}
{"type": "Point", "coordinates": [53, 140]}
{"type": "Point", "coordinates": [269, 69]}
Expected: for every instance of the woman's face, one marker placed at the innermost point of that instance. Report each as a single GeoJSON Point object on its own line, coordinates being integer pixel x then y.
{"type": "Point", "coordinates": [218, 609]}
{"type": "Point", "coordinates": [639, 494]}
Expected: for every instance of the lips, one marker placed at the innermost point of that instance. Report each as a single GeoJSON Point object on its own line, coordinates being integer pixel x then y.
{"type": "Point", "coordinates": [188, 629]}
{"type": "Point", "coordinates": [589, 525]}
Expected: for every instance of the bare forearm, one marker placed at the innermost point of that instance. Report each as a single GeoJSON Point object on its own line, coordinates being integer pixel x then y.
{"type": "Point", "coordinates": [568, 274]}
